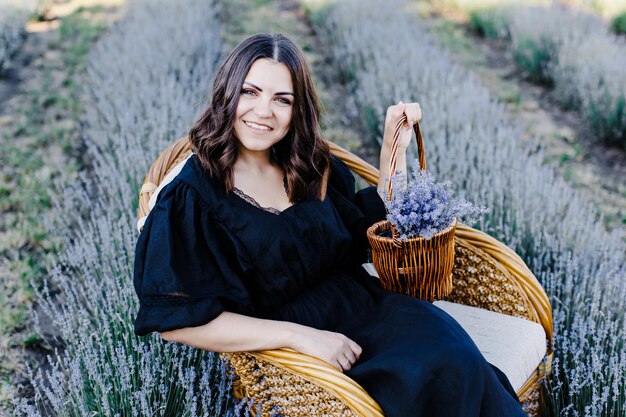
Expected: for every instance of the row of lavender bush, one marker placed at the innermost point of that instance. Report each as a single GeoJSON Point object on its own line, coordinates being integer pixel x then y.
{"type": "Point", "coordinates": [605, 8]}
{"type": "Point", "coordinates": [472, 141]}
{"type": "Point", "coordinates": [575, 52]}
{"type": "Point", "coordinates": [13, 17]}
{"type": "Point", "coordinates": [145, 84]}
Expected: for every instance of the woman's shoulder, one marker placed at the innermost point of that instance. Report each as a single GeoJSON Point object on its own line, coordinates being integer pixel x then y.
{"type": "Point", "coordinates": [191, 181]}
{"type": "Point", "coordinates": [341, 178]}
{"type": "Point", "coordinates": [343, 183]}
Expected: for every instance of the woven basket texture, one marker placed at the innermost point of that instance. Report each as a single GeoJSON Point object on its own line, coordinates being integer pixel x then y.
{"type": "Point", "coordinates": [414, 266]}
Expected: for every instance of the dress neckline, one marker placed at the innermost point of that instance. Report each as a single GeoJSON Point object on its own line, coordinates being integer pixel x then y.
{"type": "Point", "coordinates": [250, 200]}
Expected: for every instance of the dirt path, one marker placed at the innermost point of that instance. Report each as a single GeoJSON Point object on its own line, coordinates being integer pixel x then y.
{"type": "Point", "coordinates": [41, 146]}
{"type": "Point", "coordinates": [598, 170]}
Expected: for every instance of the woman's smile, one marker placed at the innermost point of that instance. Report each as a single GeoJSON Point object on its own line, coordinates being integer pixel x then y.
{"type": "Point", "coordinates": [258, 127]}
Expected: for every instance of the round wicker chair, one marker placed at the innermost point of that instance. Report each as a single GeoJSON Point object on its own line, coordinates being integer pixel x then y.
{"type": "Point", "coordinates": [487, 274]}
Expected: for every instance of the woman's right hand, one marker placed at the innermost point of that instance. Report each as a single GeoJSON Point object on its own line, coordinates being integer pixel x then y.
{"type": "Point", "coordinates": [333, 348]}
{"type": "Point", "coordinates": [253, 334]}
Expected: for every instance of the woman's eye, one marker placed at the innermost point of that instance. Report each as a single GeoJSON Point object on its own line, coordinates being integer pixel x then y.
{"type": "Point", "coordinates": [247, 91]}
{"type": "Point", "coordinates": [283, 100]}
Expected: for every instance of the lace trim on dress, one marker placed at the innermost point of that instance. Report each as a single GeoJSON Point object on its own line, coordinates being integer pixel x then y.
{"type": "Point", "coordinates": [255, 203]}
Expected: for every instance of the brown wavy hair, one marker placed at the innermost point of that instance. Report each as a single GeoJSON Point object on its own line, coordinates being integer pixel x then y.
{"type": "Point", "coordinates": [303, 154]}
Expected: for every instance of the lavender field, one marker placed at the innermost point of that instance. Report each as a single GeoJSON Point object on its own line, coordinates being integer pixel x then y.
{"type": "Point", "coordinates": [144, 81]}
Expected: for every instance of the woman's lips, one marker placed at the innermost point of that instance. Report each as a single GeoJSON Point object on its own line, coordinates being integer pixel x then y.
{"type": "Point", "coordinates": [259, 127]}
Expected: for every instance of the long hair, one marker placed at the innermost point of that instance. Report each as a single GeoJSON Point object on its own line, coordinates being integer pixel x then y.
{"type": "Point", "coordinates": [303, 154]}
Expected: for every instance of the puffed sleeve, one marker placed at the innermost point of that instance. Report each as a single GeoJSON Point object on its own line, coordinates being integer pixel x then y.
{"type": "Point", "coordinates": [358, 210]}
{"type": "Point", "coordinates": [186, 272]}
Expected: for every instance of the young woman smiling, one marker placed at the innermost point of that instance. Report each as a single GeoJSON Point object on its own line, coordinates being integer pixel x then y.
{"type": "Point", "coordinates": [258, 243]}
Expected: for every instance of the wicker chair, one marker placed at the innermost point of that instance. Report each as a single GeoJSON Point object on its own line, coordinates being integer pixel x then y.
{"type": "Point", "coordinates": [487, 274]}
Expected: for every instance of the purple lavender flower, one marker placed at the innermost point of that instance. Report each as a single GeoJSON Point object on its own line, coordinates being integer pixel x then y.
{"type": "Point", "coordinates": [424, 207]}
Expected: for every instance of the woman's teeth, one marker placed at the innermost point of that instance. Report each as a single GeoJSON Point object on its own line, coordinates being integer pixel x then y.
{"type": "Point", "coordinates": [256, 126]}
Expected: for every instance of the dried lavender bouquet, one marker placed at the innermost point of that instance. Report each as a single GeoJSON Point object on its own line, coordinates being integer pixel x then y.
{"type": "Point", "coordinates": [425, 207]}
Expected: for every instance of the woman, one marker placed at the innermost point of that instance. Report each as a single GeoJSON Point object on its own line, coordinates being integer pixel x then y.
{"type": "Point", "coordinates": [257, 244]}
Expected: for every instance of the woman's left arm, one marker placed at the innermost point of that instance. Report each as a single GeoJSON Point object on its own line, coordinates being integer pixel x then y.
{"type": "Point", "coordinates": [394, 113]}
{"type": "Point", "coordinates": [360, 210]}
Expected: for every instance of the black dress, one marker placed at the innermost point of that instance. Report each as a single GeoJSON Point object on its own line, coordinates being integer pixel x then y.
{"type": "Point", "coordinates": [202, 251]}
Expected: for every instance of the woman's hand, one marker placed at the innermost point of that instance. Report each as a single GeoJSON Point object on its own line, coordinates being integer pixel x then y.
{"type": "Point", "coordinates": [231, 332]}
{"type": "Point", "coordinates": [333, 348]}
{"type": "Point", "coordinates": [394, 114]}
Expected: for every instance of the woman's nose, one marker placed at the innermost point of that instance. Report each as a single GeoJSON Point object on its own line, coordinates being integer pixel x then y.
{"type": "Point", "coordinates": [263, 107]}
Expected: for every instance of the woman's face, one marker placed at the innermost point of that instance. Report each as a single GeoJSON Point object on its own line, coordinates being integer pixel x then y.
{"type": "Point", "coordinates": [265, 106]}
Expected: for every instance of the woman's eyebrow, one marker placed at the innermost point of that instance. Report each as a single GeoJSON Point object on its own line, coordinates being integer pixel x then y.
{"type": "Point", "coordinates": [280, 93]}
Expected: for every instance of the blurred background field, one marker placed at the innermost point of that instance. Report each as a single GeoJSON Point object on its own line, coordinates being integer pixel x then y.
{"type": "Point", "coordinates": [524, 110]}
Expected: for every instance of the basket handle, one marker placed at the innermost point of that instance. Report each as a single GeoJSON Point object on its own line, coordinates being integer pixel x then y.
{"type": "Point", "coordinates": [394, 150]}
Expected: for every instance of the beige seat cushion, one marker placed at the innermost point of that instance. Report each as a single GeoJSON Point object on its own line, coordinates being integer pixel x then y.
{"type": "Point", "coordinates": [515, 345]}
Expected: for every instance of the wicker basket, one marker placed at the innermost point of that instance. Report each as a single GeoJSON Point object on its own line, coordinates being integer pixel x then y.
{"type": "Point", "coordinates": [417, 266]}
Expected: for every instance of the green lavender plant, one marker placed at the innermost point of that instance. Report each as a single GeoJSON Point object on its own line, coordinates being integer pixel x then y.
{"type": "Point", "coordinates": [13, 17]}
{"type": "Point", "coordinates": [574, 52]}
{"type": "Point", "coordinates": [618, 24]}
{"type": "Point", "coordinates": [533, 56]}
{"type": "Point", "coordinates": [490, 23]}
{"type": "Point", "coordinates": [597, 91]}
